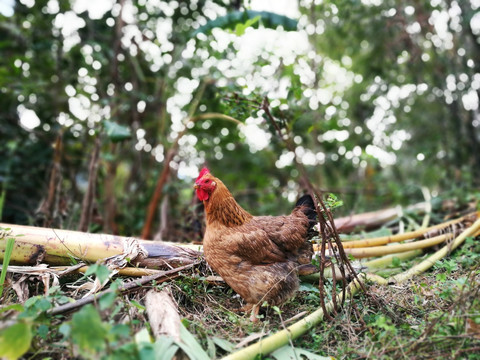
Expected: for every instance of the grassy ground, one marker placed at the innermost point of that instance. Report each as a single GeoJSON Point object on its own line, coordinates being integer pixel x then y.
{"type": "Point", "coordinates": [434, 316]}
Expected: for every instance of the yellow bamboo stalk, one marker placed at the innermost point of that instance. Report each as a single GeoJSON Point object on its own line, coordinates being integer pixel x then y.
{"type": "Point", "coordinates": [127, 271]}
{"type": "Point", "coordinates": [383, 240]}
{"type": "Point", "coordinates": [374, 251]}
{"type": "Point", "coordinates": [59, 247]}
{"type": "Point", "coordinates": [473, 230]}
{"type": "Point", "coordinates": [376, 279]}
{"type": "Point", "coordinates": [384, 261]}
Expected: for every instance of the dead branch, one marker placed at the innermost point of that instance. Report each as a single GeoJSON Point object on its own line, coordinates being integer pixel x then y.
{"type": "Point", "coordinates": [124, 289]}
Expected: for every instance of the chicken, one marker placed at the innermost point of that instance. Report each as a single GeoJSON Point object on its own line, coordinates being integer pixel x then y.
{"type": "Point", "coordinates": [260, 257]}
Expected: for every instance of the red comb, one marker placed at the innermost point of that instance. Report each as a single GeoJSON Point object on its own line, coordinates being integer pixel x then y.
{"type": "Point", "coordinates": [203, 172]}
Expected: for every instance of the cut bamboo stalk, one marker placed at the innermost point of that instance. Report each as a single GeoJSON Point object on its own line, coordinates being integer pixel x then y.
{"type": "Point", "coordinates": [376, 279]}
{"type": "Point", "coordinates": [281, 338]}
{"type": "Point", "coordinates": [63, 247]}
{"type": "Point", "coordinates": [374, 251]}
{"type": "Point", "coordinates": [62, 270]}
{"type": "Point", "coordinates": [127, 271]}
{"type": "Point", "coordinates": [387, 260]}
{"type": "Point", "coordinates": [473, 230]}
{"type": "Point", "coordinates": [383, 240]}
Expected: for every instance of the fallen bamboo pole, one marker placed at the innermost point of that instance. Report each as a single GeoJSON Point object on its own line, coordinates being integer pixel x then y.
{"type": "Point", "coordinates": [64, 247]}
{"type": "Point", "coordinates": [473, 230]}
{"type": "Point", "coordinates": [383, 240]}
{"type": "Point", "coordinates": [383, 262]}
{"type": "Point", "coordinates": [374, 251]}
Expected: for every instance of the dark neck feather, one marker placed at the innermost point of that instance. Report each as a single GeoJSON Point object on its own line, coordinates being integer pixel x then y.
{"type": "Point", "coordinates": [221, 207]}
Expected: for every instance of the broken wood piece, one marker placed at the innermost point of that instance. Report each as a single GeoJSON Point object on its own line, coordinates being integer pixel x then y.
{"type": "Point", "coordinates": [163, 314]}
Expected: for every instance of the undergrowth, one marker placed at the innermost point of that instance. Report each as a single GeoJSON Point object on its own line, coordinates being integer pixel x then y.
{"type": "Point", "coordinates": [435, 315]}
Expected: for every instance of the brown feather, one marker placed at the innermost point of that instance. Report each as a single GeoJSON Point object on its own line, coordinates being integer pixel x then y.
{"type": "Point", "coordinates": [258, 256]}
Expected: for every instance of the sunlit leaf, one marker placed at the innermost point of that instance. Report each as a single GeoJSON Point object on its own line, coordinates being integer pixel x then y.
{"type": "Point", "coordinates": [240, 28]}
{"type": "Point", "coordinates": [137, 305]}
{"type": "Point", "coordinates": [15, 340]}
{"type": "Point", "coordinates": [100, 271]}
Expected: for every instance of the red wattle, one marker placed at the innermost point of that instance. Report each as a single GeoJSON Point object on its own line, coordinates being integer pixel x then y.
{"type": "Point", "coordinates": [202, 194]}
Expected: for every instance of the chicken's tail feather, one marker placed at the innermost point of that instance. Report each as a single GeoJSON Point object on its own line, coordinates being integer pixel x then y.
{"type": "Point", "coordinates": [307, 206]}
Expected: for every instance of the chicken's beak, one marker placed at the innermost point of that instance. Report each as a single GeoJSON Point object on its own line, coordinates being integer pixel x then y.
{"type": "Point", "coordinates": [196, 186]}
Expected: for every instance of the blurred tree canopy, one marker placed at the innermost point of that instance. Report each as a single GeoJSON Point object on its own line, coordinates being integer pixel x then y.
{"type": "Point", "coordinates": [379, 99]}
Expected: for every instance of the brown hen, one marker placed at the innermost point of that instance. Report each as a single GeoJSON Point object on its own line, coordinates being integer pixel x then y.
{"type": "Point", "coordinates": [260, 257]}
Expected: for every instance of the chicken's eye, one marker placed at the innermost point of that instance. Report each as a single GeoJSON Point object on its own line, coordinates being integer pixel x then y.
{"type": "Point", "coordinates": [207, 181]}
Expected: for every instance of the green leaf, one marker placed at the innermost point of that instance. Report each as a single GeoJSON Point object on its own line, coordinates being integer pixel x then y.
{"type": "Point", "coordinates": [289, 353]}
{"type": "Point", "coordinates": [43, 304]}
{"type": "Point", "coordinates": [223, 344]}
{"type": "Point", "coordinates": [120, 330]}
{"type": "Point", "coordinates": [65, 330]}
{"type": "Point", "coordinates": [165, 348]}
{"type": "Point", "coordinates": [240, 28]}
{"type": "Point", "coordinates": [6, 260]}
{"type": "Point", "coordinates": [116, 132]}
{"type": "Point", "coordinates": [100, 271]}
{"type": "Point", "coordinates": [15, 340]}
{"type": "Point", "coordinates": [146, 349]}
{"type": "Point", "coordinates": [107, 300]}
{"type": "Point", "coordinates": [88, 331]}
{"type": "Point", "coordinates": [142, 336]}
{"type": "Point", "coordinates": [396, 261]}
{"type": "Point", "coordinates": [308, 287]}
{"type": "Point", "coordinates": [137, 305]}
{"type": "Point", "coordinates": [42, 331]}
{"type": "Point", "coordinates": [190, 345]}
{"type": "Point", "coordinates": [16, 307]}
{"type": "Point", "coordinates": [232, 19]}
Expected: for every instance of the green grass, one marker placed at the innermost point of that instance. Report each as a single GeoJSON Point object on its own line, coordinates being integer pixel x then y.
{"type": "Point", "coordinates": [434, 315]}
{"type": "Point", "coordinates": [6, 260]}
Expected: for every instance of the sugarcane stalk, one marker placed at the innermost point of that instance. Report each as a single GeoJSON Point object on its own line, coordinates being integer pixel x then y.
{"type": "Point", "coordinates": [374, 251]}
{"type": "Point", "coordinates": [473, 230]}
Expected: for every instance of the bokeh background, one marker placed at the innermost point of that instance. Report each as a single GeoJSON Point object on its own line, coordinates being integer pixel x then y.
{"type": "Point", "coordinates": [379, 98]}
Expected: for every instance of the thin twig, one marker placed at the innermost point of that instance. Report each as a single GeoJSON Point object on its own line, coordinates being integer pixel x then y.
{"type": "Point", "coordinates": [328, 229]}
{"type": "Point", "coordinates": [126, 288]}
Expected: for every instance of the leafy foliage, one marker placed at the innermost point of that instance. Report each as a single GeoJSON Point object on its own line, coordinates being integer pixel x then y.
{"type": "Point", "coordinates": [377, 98]}
{"type": "Point", "coordinates": [246, 19]}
